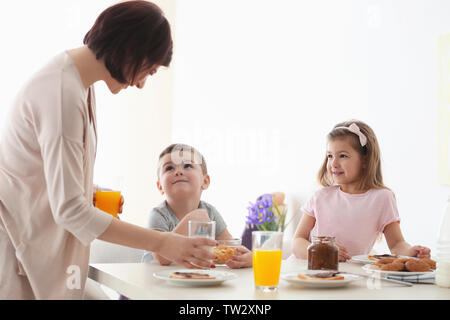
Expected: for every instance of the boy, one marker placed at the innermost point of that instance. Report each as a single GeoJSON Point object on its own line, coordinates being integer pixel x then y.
{"type": "Point", "coordinates": [182, 177]}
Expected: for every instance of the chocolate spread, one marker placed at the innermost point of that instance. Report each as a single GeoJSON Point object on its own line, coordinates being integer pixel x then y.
{"type": "Point", "coordinates": [191, 274]}
{"type": "Point", "coordinates": [323, 254]}
{"type": "Point", "coordinates": [323, 275]}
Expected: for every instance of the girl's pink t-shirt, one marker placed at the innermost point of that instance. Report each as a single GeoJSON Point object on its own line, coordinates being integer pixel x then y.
{"type": "Point", "coordinates": [355, 220]}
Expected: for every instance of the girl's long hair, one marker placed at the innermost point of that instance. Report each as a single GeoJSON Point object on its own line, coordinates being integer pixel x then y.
{"type": "Point", "coordinates": [372, 177]}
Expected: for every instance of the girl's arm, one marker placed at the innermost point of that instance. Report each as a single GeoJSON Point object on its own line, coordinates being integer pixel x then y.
{"type": "Point", "coordinates": [398, 245]}
{"type": "Point", "coordinates": [301, 239]}
{"type": "Point", "coordinates": [300, 243]}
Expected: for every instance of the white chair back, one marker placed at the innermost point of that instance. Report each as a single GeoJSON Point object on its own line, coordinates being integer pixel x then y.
{"type": "Point", "coordinates": [106, 252]}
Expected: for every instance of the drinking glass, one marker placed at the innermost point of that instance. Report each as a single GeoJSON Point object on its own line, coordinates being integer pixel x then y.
{"type": "Point", "coordinates": [108, 201]}
{"type": "Point", "coordinates": [108, 197]}
{"type": "Point", "coordinates": [225, 250]}
{"type": "Point", "coordinates": [202, 229]}
{"type": "Point", "coordinates": [266, 247]}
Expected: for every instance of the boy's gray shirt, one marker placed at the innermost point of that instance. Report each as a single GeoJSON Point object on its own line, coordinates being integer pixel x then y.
{"type": "Point", "coordinates": [162, 218]}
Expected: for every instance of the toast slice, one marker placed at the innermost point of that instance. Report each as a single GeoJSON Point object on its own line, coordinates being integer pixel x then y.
{"type": "Point", "coordinates": [321, 276]}
{"type": "Point", "coordinates": [377, 257]}
{"type": "Point", "coordinates": [190, 275]}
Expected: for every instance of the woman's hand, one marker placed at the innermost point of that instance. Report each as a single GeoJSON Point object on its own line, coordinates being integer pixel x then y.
{"type": "Point", "coordinates": [122, 201]}
{"type": "Point", "coordinates": [187, 252]}
{"type": "Point", "coordinates": [343, 255]}
{"type": "Point", "coordinates": [242, 258]}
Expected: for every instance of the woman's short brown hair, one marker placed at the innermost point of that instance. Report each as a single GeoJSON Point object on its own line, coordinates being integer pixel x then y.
{"type": "Point", "coordinates": [131, 36]}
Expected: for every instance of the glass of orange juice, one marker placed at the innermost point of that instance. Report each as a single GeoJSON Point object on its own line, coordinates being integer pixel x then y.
{"type": "Point", "coordinates": [266, 247]}
{"type": "Point", "coordinates": [108, 201]}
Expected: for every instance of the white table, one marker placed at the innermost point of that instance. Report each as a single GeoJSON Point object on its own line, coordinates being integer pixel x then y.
{"type": "Point", "coordinates": [136, 281]}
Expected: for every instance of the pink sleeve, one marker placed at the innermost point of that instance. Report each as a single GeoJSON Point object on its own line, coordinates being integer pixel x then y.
{"type": "Point", "coordinates": [389, 211]}
{"type": "Point", "coordinates": [309, 206]}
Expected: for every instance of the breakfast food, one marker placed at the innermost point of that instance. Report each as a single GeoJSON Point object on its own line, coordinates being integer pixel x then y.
{"type": "Point", "coordinates": [223, 253]}
{"type": "Point", "coordinates": [385, 261]}
{"type": "Point", "coordinates": [430, 262]}
{"type": "Point", "coordinates": [377, 257]}
{"type": "Point", "coordinates": [405, 264]}
{"type": "Point", "coordinates": [417, 266]}
{"type": "Point", "coordinates": [321, 276]}
{"type": "Point", "coordinates": [190, 275]}
{"type": "Point", "coordinates": [323, 254]}
{"type": "Point", "coordinates": [393, 266]}
{"type": "Point", "coordinates": [404, 260]}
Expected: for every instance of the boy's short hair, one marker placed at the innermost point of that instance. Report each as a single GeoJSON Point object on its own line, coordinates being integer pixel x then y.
{"type": "Point", "coordinates": [131, 36]}
{"type": "Point", "coordinates": [178, 147]}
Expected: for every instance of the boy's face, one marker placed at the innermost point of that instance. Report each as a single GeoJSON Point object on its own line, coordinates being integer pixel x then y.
{"type": "Point", "coordinates": [180, 175]}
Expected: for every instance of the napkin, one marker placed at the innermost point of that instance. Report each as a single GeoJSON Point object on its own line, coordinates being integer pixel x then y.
{"type": "Point", "coordinates": [420, 278]}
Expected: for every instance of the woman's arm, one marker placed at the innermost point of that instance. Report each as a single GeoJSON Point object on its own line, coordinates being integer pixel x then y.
{"type": "Point", "coordinates": [398, 245]}
{"type": "Point", "coordinates": [182, 250]}
{"type": "Point", "coordinates": [301, 239]}
{"type": "Point", "coordinates": [183, 229]}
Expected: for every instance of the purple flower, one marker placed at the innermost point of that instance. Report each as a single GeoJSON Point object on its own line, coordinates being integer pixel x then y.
{"type": "Point", "coordinates": [261, 214]}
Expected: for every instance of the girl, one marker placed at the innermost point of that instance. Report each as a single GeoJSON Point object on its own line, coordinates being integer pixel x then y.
{"type": "Point", "coordinates": [354, 205]}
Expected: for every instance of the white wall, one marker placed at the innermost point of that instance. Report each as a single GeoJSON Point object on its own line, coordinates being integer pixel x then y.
{"type": "Point", "coordinates": [32, 32]}
{"type": "Point", "coordinates": [133, 126]}
{"type": "Point", "coordinates": [259, 84]}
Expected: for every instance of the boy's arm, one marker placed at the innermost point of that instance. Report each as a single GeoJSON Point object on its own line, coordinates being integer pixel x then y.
{"type": "Point", "coordinates": [224, 235]}
{"type": "Point", "coordinates": [398, 245]}
{"type": "Point", "coordinates": [300, 243]}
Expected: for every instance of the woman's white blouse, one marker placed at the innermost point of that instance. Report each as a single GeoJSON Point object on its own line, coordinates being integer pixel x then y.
{"type": "Point", "coordinates": [47, 155]}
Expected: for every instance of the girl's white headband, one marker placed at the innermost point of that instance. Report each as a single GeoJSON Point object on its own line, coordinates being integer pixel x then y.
{"type": "Point", "coordinates": [355, 129]}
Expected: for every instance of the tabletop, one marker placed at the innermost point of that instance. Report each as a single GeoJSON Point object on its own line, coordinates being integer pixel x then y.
{"type": "Point", "coordinates": [136, 281]}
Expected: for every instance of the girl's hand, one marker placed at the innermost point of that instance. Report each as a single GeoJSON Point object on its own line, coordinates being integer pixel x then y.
{"type": "Point", "coordinates": [420, 252]}
{"type": "Point", "coordinates": [343, 255]}
{"type": "Point", "coordinates": [242, 258]}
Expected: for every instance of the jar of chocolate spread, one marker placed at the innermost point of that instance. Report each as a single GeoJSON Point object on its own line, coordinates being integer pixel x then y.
{"type": "Point", "coordinates": [323, 254]}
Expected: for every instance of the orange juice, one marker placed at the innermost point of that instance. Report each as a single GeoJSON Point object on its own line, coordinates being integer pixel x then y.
{"type": "Point", "coordinates": [266, 267]}
{"type": "Point", "coordinates": [108, 201]}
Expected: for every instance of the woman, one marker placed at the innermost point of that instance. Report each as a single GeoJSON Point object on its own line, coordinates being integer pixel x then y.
{"type": "Point", "coordinates": [47, 156]}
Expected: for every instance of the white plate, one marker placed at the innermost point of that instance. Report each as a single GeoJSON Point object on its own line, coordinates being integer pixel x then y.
{"type": "Point", "coordinates": [364, 259]}
{"type": "Point", "coordinates": [293, 278]}
{"type": "Point", "coordinates": [368, 267]}
{"type": "Point", "coordinates": [220, 276]}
